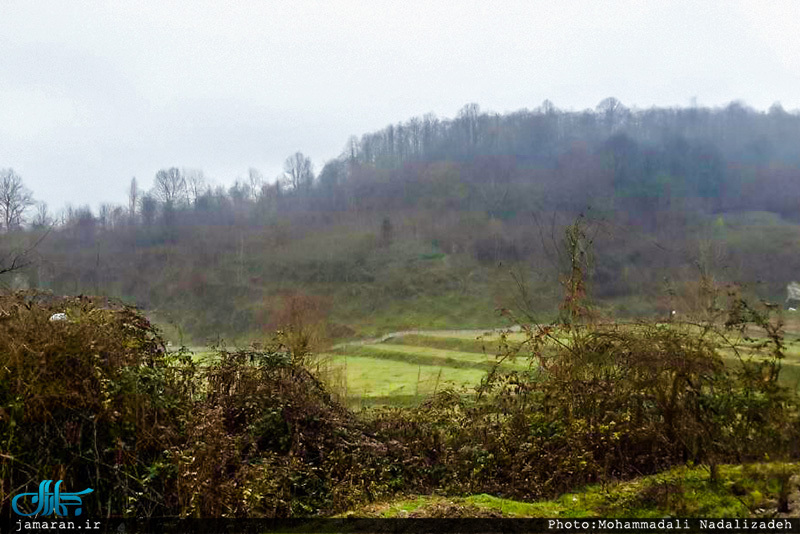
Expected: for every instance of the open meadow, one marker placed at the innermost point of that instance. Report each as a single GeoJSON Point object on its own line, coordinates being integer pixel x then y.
{"type": "Point", "coordinates": [406, 369]}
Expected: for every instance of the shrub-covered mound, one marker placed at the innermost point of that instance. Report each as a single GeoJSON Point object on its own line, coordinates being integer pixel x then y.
{"type": "Point", "coordinates": [93, 398]}
{"type": "Point", "coordinates": [90, 397]}
{"type": "Point", "coordinates": [267, 440]}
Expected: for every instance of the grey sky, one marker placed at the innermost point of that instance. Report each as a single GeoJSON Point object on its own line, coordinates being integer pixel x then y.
{"type": "Point", "coordinates": [92, 94]}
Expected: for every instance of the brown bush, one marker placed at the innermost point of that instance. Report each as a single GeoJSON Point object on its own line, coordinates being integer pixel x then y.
{"type": "Point", "coordinates": [92, 399]}
{"type": "Point", "coordinates": [97, 401]}
{"type": "Point", "coordinates": [268, 440]}
{"type": "Point", "coordinates": [302, 321]}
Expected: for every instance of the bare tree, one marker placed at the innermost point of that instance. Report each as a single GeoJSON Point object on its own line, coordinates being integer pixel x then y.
{"type": "Point", "coordinates": [84, 225]}
{"type": "Point", "coordinates": [41, 218]}
{"type": "Point", "coordinates": [415, 136]}
{"type": "Point", "coordinates": [612, 112]}
{"type": "Point", "coordinates": [148, 208]}
{"type": "Point", "coordinates": [17, 259]}
{"type": "Point", "coordinates": [133, 199]}
{"type": "Point", "coordinates": [352, 149]}
{"type": "Point", "coordinates": [170, 186]}
{"type": "Point", "coordinates": [104, 215]}
{"type": "Point", "coordinates": [15, 198]}
{"type": "Point", "coordinates": [196, 184]}
{"type": "Point", "coordinates": [299, 171]}
{"type": "Point", "coordinates": [430, 132]}
{"type": "Point", "coordinates": [118, 217]}
{"type": "Point", "coordinates": [256, 182]}
{"type": "Point", "coordinates": [239, 193]}
{"type": "Point", "coordinates": [469, 125]}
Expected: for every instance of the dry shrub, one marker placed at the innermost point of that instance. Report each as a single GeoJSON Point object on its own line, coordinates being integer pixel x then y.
{"type": "Point", "coordinates": [98, 402]}
{"type": "Point", "coordinates": [302, 322]}
{"type": "Point", "coordinates": [268, 440]}
{"type": "Point", "coordinates": [93, 399]}
{"type": "Point", "coordinates": [601, 402]}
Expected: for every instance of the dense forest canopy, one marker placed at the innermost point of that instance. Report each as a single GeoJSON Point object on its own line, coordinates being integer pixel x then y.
{"type": "Point", "coordinates": [443, 209]}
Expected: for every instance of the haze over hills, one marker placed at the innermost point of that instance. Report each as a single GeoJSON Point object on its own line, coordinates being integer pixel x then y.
{"type": "Point", "coordinates": [99, 93]}
{"type": "Point", "coordinates": [429, 222]}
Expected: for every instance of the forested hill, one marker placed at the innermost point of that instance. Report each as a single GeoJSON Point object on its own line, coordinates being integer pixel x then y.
{"type": "Point", "coordinates": [422, 224]}
{"type": "Point", "coordinates": [722, 159]}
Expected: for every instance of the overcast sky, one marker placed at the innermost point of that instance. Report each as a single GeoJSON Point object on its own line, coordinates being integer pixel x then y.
{"type": "Point", "coordinates": [92, 94]}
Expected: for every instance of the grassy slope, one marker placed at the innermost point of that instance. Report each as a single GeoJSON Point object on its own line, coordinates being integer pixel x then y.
{"type": "Point", "coordinates": [405, 369]}
{"type": "Point", "coordinates": [476, 343]}
{"type": "Point", "coordinates": [790, 365]}
{"type": "Point", "coordinates": [423, 355]}
{"type": "Point", "coordinates": [742, 491]}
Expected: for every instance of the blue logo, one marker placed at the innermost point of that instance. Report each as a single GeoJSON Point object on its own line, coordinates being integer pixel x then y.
{"type": "Point", "coordinates": [51, 503]}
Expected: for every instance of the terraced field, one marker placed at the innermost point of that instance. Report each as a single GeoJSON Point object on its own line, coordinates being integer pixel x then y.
{"type": "Point", "coordinates": [405, 368]}
{"type": "Point", "coordinates": [790, 365]}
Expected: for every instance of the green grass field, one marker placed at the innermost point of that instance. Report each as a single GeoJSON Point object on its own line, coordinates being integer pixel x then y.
{"type": "Point", "coordinates": [790, 364]}
{"type": "Point", "coordinates": [406, 369]}
{"type": "Point", "coordinates": [368, 378]}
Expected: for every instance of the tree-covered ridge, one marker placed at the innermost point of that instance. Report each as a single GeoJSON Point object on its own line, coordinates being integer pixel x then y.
{"type": "Point", "coordinates": [643, 154]}
{"type": "Point", "coordinates": [542, 134]}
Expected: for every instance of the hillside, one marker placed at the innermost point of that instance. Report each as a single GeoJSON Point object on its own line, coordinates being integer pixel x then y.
{"type": "Point", "coordinates": [438, 223]}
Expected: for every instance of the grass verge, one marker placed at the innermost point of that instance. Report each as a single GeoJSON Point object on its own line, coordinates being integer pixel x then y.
{"type": "Point", "coordinates": [750, 490]}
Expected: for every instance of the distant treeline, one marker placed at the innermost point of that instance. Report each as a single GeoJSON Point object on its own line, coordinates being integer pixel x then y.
{"type": "Point", "coordinates": [723, 159]}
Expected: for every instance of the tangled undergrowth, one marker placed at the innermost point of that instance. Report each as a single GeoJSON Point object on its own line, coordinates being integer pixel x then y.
{"type": "Point", "coordinates": [96, 400]}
